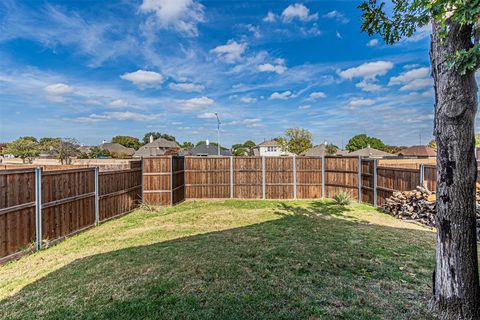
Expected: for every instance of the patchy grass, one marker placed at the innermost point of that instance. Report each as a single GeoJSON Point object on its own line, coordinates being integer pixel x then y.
{"type": "Point", "coordinates": [230, 260]}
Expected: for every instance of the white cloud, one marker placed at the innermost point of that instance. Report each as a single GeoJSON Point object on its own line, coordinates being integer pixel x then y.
{"type": "Point", "coordinates": [368, 86]}
{"type": "Point", "coordinates": [372, 43]}
{"type": "Point", "coordinates": [316, 95]}
{"type": "Point", "coordinates": [281, 95]}
{"type": "Point", "coordinates": [367, 71]}
{"type": "Point", "coordinates": [338, 35]}
{"type": "Point", "coordinates": [414, 79]}
{"type": "Point", "coordinates": [231, 51]}
{"type": "Point", "coordinates": [278, 68]}
{"type": "Point", "coordinates": [298, 11]}
{"type": "Point", "coordinates": [186, 87]}
{"type": "Point", "coordinates": [180, 15]}
{"type": "Point", "coordinates": [340, 17]}
{"type": "Point", "coordinates": [119, 103]}
{"type": "Point", "coordinates": [58, 89]}
{"type": "Point", "coordinates": [304, 107]}
{"type": "Point", "coordinates": [359, 102]}
{"type": "Point", "coordinates": [121, 116]}
{"type": "Point", "coordinates": [207, 115]}
{"type": "Point", "coordinates": [249, 122]}
{"type": "Point", "coordinates": [248, 99]}
{"type": "Point", "coordinates": [143, 79]}
{"type": "Point", "coordinates": [196, 104]}
{"type": "Point", "coordinates": [270, 17]}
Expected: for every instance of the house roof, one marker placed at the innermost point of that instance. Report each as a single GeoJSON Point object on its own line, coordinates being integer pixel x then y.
{"type": "Point", "coordinates": [370, 152]}
{"type": "Point", "coordinates": [269, 143]}
{"type": "Point", "coordinates": [418, 151]}
{"type": "Point", "coordinates": [208, 150]}
{"type": "Point", "coordinates": [316, 151]}
{"type": "Point", "coordinates": [117, 148]}
{"type": "Point", "coordinates": [157, 147]}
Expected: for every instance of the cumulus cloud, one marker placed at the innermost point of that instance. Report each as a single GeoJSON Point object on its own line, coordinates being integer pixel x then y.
{"type": "Point", "coordinates": [207, 115]}
{"type": "Point", "coordinates": [248, 99]}
{"type": "Point", "coordinates": [316, 95]}
{"type": "Point", "coordinates": [186, 87]}
{"type": "Point", "coordinates": [121, 116]}
{"type": "Point", "coordinates": [196, 104]}
{"type": "Point", "coordinates": [368, 86]}
{"type": "Point", "coordinates": [372, 43]}
{"type": "Point", "coordinates": [359, 102]}
{"type": "Point", "coordinates": [298, 11]}
{"type": "Point", "coordinates": [270, 17]}
{"type": "Point", "coordinates": [367, 71]}
{"type": "Point", "coordinates": [119, 103]}
{"type": "Point", "coordinates": [281, 95]}
{"type": "Point", "coordinates": [340, 17]}
{"type": "Point", "coordinates": [231, 51]}
{"type": "Point", "coordinates": [179, 15]}
{"type": "Point", "coordinates": [144, 79]}
{"type": "Point", "coordinates": [279, 67]}
{"type": "Point", "coordinates": [304, 107]}
{"type": "Point", "coordinates": [414, 79]}
{"type": "Point", "coordinates": [58, 89]}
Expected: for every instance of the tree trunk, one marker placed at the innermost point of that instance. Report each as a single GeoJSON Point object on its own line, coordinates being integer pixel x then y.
{"type": "Point", "coordinates": [456, 279]}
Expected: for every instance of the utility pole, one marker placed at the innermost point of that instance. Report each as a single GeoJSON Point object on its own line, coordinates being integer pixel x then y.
{"type": "Point", "coordinates": [218, 133]}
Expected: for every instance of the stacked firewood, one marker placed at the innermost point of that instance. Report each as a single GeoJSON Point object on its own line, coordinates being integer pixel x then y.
{"type": "Point", "coordinates": [419, 205]}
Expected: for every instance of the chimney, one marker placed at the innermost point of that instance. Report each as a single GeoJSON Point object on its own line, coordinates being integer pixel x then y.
{"type": "Point", "coordinates": [207, 142]}
{"type": "Point", "coordinates": [151, 138]}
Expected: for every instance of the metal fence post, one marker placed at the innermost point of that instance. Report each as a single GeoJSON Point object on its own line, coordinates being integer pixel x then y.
{"type": "Point", "coordinates": [141, 166]}
{"type": "Point", "coordinates": [323, 176]}
{"type": "Point", "coordinates": [422, 175]}
{"type": "Point", "coordinates": [231, 177]}
{"type": "Point", "coordinates": [359, 179]}
{"type": "Point", "coordinates": [375, 198]}
{"type": "Point", "coordinates": [97, 198]}
{"type": "Point", "coordinates": [171, 181]}
{"type": "Point", "coordinates": [263, 178]}
{"type": "Point", "coordinates": [294, 177]}
{"type": "Point", "coordinates": [38, 208]}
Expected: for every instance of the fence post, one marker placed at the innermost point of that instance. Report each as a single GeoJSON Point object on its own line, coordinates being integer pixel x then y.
{"type": "Point", "coordinates": [171, 181]}
{"type": "Point", "coordinates": [38, 208]}
{"type": "Point", "coordinates": [141, 166]}
{"type": "Point", "coordinates": [359, 179]}
{"type": "Point", "coordinates": [422, 175]}
{"type": "Point", "coordinates": [263, 178]}
{"type": "Point", "coordinates": [323, 176]}
{"type": "Point", "coordinates": [231, 177]}
{"type": "Point", "coordinates": [97, 198]}
{"type": "Point", "coordinates": [294, 177]}
{"type": "Point", "coordinates": [375, 198]}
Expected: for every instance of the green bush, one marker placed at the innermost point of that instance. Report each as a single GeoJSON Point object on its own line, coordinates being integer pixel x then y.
{"type": "Point", "coordinates": [342, 198]}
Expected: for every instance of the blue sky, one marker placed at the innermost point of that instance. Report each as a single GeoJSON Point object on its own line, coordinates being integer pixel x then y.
{"type": "Point", "coordinates": [95, 69]}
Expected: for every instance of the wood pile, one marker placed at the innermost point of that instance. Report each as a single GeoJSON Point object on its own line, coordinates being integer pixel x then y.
{"type": "Point", "coordinates": [419, 205]}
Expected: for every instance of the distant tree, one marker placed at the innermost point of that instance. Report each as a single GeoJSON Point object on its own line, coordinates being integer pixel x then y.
{"type": "Point", "coordinates": [361, 141]}
{"type": "Point", "coordinates": [187, 145]}
{"type": "Point", "coordinates": [24, 148]}
{"type": "Point", "coordinates": [67, 148]}
{"type": "Point", "coordinates": [477, 141]}
{"type": "Point", "coordinates": [211, 143]}
{"type": "Point", "coordinates": [298, 140]}
{"type": "Point", "coordinates": [433, 144]}
{"type": "Point", "coordinates": [156, 135]}
{"type": "Point", "coordinates": [249, 144]}
{"type": "Point", "coordinates": [96, 152]}
{"type": "Point", "coordinates": [242, 149]}
{"type": "Point", "coordinates": [394, 149]}
{"type": "Point", "coordinates": [331, 149]}
{"type": "Point", "coordinates": [48, 143]}
{"type": "Point", "coordinates": [127, 141]}
{"type": "Point", "coordinates": [33, 139]}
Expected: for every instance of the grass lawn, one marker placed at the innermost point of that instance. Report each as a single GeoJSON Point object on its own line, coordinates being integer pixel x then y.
{"type": "Point", "coordinates": [230, 260]}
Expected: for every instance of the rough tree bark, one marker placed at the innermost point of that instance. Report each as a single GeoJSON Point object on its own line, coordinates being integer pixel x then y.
{"type": "Point", "coordinates": [456, 279]}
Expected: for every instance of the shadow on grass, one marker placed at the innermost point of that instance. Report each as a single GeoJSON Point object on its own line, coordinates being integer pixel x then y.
{"type": "Point", "coordinates": [308, 265]}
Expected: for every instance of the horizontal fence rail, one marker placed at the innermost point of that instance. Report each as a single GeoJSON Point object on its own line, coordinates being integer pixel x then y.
{"type": "Point", "coordinates": [38, 207]}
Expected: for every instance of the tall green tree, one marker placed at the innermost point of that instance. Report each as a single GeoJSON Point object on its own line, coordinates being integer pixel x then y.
{"type": "Point", "coordinates": [127, 141]}
{"type": "Point", "coordinates": [361, 141]}
{"type": "Point", "coordinates": [298, 140]}
{"type": "Point", "coordinates": [24, 148]}
{"type": "Point", "coordinates": [67, 148]}
{"type": "Point", "coordinates": [187, 145]}
{"type": "Point", "coordinates": [156, 135]}
{"type": "Point", "coordinates": [47, 143]}
{"type": "Point", "coordinates": [454, 57]}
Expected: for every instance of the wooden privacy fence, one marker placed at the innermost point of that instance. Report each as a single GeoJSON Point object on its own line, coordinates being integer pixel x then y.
{"type": "Point", "coordinates": [40, 207]}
